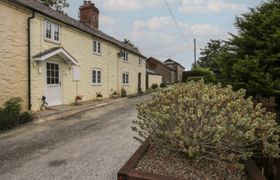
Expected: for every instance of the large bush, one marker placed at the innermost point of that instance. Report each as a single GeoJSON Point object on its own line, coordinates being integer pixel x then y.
{"type": "Point", "coordinates": [11, 115]}
{"type": "Point", "coordinates": [199, 73]}
{"type": "Point", "coordinates": [208, 122]}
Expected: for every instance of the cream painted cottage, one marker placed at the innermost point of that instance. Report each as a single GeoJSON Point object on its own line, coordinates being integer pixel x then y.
{"type": "Point", "coordinates": [46, 53]}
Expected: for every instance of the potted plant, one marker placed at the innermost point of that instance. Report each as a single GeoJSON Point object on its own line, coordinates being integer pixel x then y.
{"type": "Point", "coordinates": [201, 131]}
{"type": "Point", "coordinates": [115, 95]}
{"type": "Point", "coordinates": [99, 96]}
{"type": "Point", "coordinates": [79, 100]}
{"type": "Point", "coordinates": [123, 92]}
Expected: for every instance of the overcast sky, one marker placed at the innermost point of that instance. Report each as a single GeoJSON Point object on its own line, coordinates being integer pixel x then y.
{"type": "Point", "coordinates": [149, 25]}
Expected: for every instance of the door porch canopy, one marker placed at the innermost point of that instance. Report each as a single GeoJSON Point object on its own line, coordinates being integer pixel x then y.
{"type": "Point", "coordinates": [60, 51]}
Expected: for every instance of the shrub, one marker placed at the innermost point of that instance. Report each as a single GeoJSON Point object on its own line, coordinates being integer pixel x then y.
{"type": "Point", "coordinates": [208, 76]}
{"type": "Point", "coordinates": [163, 85]}
{"type": "Point", "coordinates": [208, 122]}
{"type": "Point", "coordinates": [154, 86]}
{"type": "Point", "coordinates": [9, 114]}
{"type": "Point", "coordinates": [25, 117]}
{"type": "Point", "coordinates": [123, 92]}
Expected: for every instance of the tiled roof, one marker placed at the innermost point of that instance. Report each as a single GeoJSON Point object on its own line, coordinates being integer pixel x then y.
{"type": "Point", "coordinates": [40, 8]}
{"type": "Point", "coordinates": [158, 61]}
{"type": "Point", "coordinates": [170, 61]}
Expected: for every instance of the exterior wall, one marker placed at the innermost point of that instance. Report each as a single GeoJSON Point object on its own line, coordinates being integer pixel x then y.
{"type": "Point", "coordinates": [79, 45]}
{"type": "Point", "coordinates": [161, 69]}
{"type": "Point", "coordinates": [13, 53]}
{"type": "Point", "coordinates": [180, 71]}
{"type": "Point", "coordinates": [154, 79]}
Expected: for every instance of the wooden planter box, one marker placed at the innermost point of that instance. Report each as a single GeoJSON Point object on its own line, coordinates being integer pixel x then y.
{"type": "Point", "coordinates": [128, 172]}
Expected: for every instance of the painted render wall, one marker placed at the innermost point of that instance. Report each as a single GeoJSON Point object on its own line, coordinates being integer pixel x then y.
{"type": "Point", "coordinates": [154, 79]}
{"type": "Point", "coordinates": [13, 53]}
{"type": "Point", "coordinates": [79, 45]}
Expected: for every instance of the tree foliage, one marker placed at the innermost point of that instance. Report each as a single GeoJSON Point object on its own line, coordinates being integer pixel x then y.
{"type": "Point", "coordinates": [253, 55]}
{"type": "Point", "coordinates": [208, 122]}
{"type": "Point", "coordinates": [58, 5]}
{"type": "Point", "coordinates": [131, 44]}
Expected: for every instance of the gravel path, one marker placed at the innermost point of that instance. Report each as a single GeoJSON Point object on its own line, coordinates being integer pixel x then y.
{"type": "Point", "coordinates": [91, 145]}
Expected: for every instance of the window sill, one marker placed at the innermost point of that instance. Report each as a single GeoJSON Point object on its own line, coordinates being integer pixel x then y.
{"type": "Point", "coordinates": [52, 41]}
{"type": "Point", "coordinates": [125, 85]}
{"type": "Point", "coordinates": [96, 84]}
{"type": "Point", "coordinates": [125, 61]}
{"type": "Point", "coordinates": [97, 54]}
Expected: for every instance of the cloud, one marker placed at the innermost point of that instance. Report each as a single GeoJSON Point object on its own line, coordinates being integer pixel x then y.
{"type": "Point", "coordinates": [107, 21]}
{"type": "Point", "coordinates": [130, 5]}
{"type": "Point", "coordinates": [206, 6]}
{"type": "Point", "coordinates": [117, 5]}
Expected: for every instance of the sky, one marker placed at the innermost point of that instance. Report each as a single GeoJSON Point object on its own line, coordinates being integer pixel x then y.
{"type": "Point", "coordinates": [162, 33]}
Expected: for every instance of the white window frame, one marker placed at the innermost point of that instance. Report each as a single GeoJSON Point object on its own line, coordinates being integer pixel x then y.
{"type": "Point", "coordinates": [125, 80]}
{"type": "Point", "coordinates": [97, 82]}
{"type": "Point", "coordinates": [125, 56]}
{"type": "Point", "coordinates": [97, 47]}
{"type": "Point", "coordinates": [140, 61]}
{"type": "Point", "coordinates": [55, 32]}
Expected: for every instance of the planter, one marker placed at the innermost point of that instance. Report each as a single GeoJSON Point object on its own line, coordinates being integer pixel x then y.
{"type": "Point", "coordinates": [115, 96]}
{"type": "Point", "coordinates": [99, 98]}
{"type": "Point", "coordinates": [128, 172]}
{"type": "Point", "coordinates": [78, 102]}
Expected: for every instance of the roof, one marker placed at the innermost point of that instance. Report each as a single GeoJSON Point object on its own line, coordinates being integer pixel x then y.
{"type": "Point", "coordinates": [160, 62]}
{"type": "Point", "coordinates": [170, 61]}
{"type": "Point", "coordinates": [149, 71]}
{"type": "Point", "coordinates": [56, 51]}
{"type": "Point", "coordinates": [42, 9]}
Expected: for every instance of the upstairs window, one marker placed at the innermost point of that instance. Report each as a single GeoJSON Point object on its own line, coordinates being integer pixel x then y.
{"type": "Point", "coordinates": [52, 31]}
{"type": "Point", "coordinates": [139, 61]}
{"type": "Point", "coordinates": [97, 47]}
{"type": "Point", "coordinates": [96, 77]}
{"type": "Point", "coordinates": [125, 78]}
{"type": "Point", "coordinates": [125, 56]}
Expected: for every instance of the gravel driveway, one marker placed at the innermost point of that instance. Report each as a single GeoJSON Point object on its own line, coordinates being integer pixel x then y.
{"type": "Point", "coordinates": [90, 145]}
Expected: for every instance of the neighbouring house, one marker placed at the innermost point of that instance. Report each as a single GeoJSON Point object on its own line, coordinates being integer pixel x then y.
{"type": "Point", "coordinates": [45, 53]}
{"type": "Point", "coordinates": [169, 75]}
{"type": "Point", "coordinates": [152, 78]}
{"type": "Point", "coordinates": [179, 69]}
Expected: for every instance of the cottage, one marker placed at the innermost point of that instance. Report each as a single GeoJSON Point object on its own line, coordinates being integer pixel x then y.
{"type": "Point", "coordinates": [45, 53]}
{"type": "Point", "coordinates": [178, 68]}
{"type": "Point", "coordinates": [168, 74]}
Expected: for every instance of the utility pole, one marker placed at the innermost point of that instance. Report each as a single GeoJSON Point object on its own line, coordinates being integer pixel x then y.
{"type": "Point", "coordinates": [194, 41]}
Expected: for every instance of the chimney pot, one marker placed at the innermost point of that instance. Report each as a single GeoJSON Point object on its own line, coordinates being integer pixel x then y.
{"type": "Point", "coordinates": [89, 14]}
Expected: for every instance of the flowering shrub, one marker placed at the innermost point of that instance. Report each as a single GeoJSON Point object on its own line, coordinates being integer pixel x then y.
{"type": "Point", "coordinates": [208, 122]}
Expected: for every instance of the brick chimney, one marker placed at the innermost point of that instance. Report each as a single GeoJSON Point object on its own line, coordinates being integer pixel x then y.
{"type": "Point", "coordinates": [89, 14]}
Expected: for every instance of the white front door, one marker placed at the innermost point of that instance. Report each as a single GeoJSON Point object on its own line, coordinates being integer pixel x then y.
{"type": "Point", "coordinates": [53, 84]}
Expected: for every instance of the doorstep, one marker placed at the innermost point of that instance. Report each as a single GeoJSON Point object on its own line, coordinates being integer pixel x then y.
{"type": "Point", "coordinates": [63, 111]}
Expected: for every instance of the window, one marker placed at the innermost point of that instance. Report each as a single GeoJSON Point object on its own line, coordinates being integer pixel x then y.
{"type": "Point", "coordinates": [97, 47]}
{"type": "Point", "coordinates": [139, 61]}
{"type": "Point", "coordinates": [96, 77]}
{"type": "Point", "coordinates": [52, 32]}
{"type": "Point", "coordinates": [125, 78]}
{"type": "Point", "coordinates": [53, 74]}
{"type": "Point", "coordinates": [125, 56]}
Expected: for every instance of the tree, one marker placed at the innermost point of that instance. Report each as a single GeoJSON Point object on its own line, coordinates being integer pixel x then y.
{"type": "Point", "coordinates": [252, 57]}
{"type": "Point", "coordinates": [131, 44]}
{"type": "Point", "coordinates": [218, 57]}
{"type": "Point", "coordinates": [58, 5]}
{"type": "Point", "coordinates": [257, 48]}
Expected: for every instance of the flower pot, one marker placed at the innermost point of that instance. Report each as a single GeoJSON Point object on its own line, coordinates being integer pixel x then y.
{"type": "Point", "coordinates": [78, 102]}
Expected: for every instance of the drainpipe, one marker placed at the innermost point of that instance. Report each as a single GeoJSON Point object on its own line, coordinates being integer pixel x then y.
{"type": "Point", "coordinates": [29, 59]}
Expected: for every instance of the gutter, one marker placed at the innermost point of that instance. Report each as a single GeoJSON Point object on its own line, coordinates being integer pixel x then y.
{"type": "Point", "coordinates": [29, 58]}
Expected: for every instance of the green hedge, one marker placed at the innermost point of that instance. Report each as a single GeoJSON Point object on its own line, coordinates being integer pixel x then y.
{"type": "Point", "coordinates": [199, 73]}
